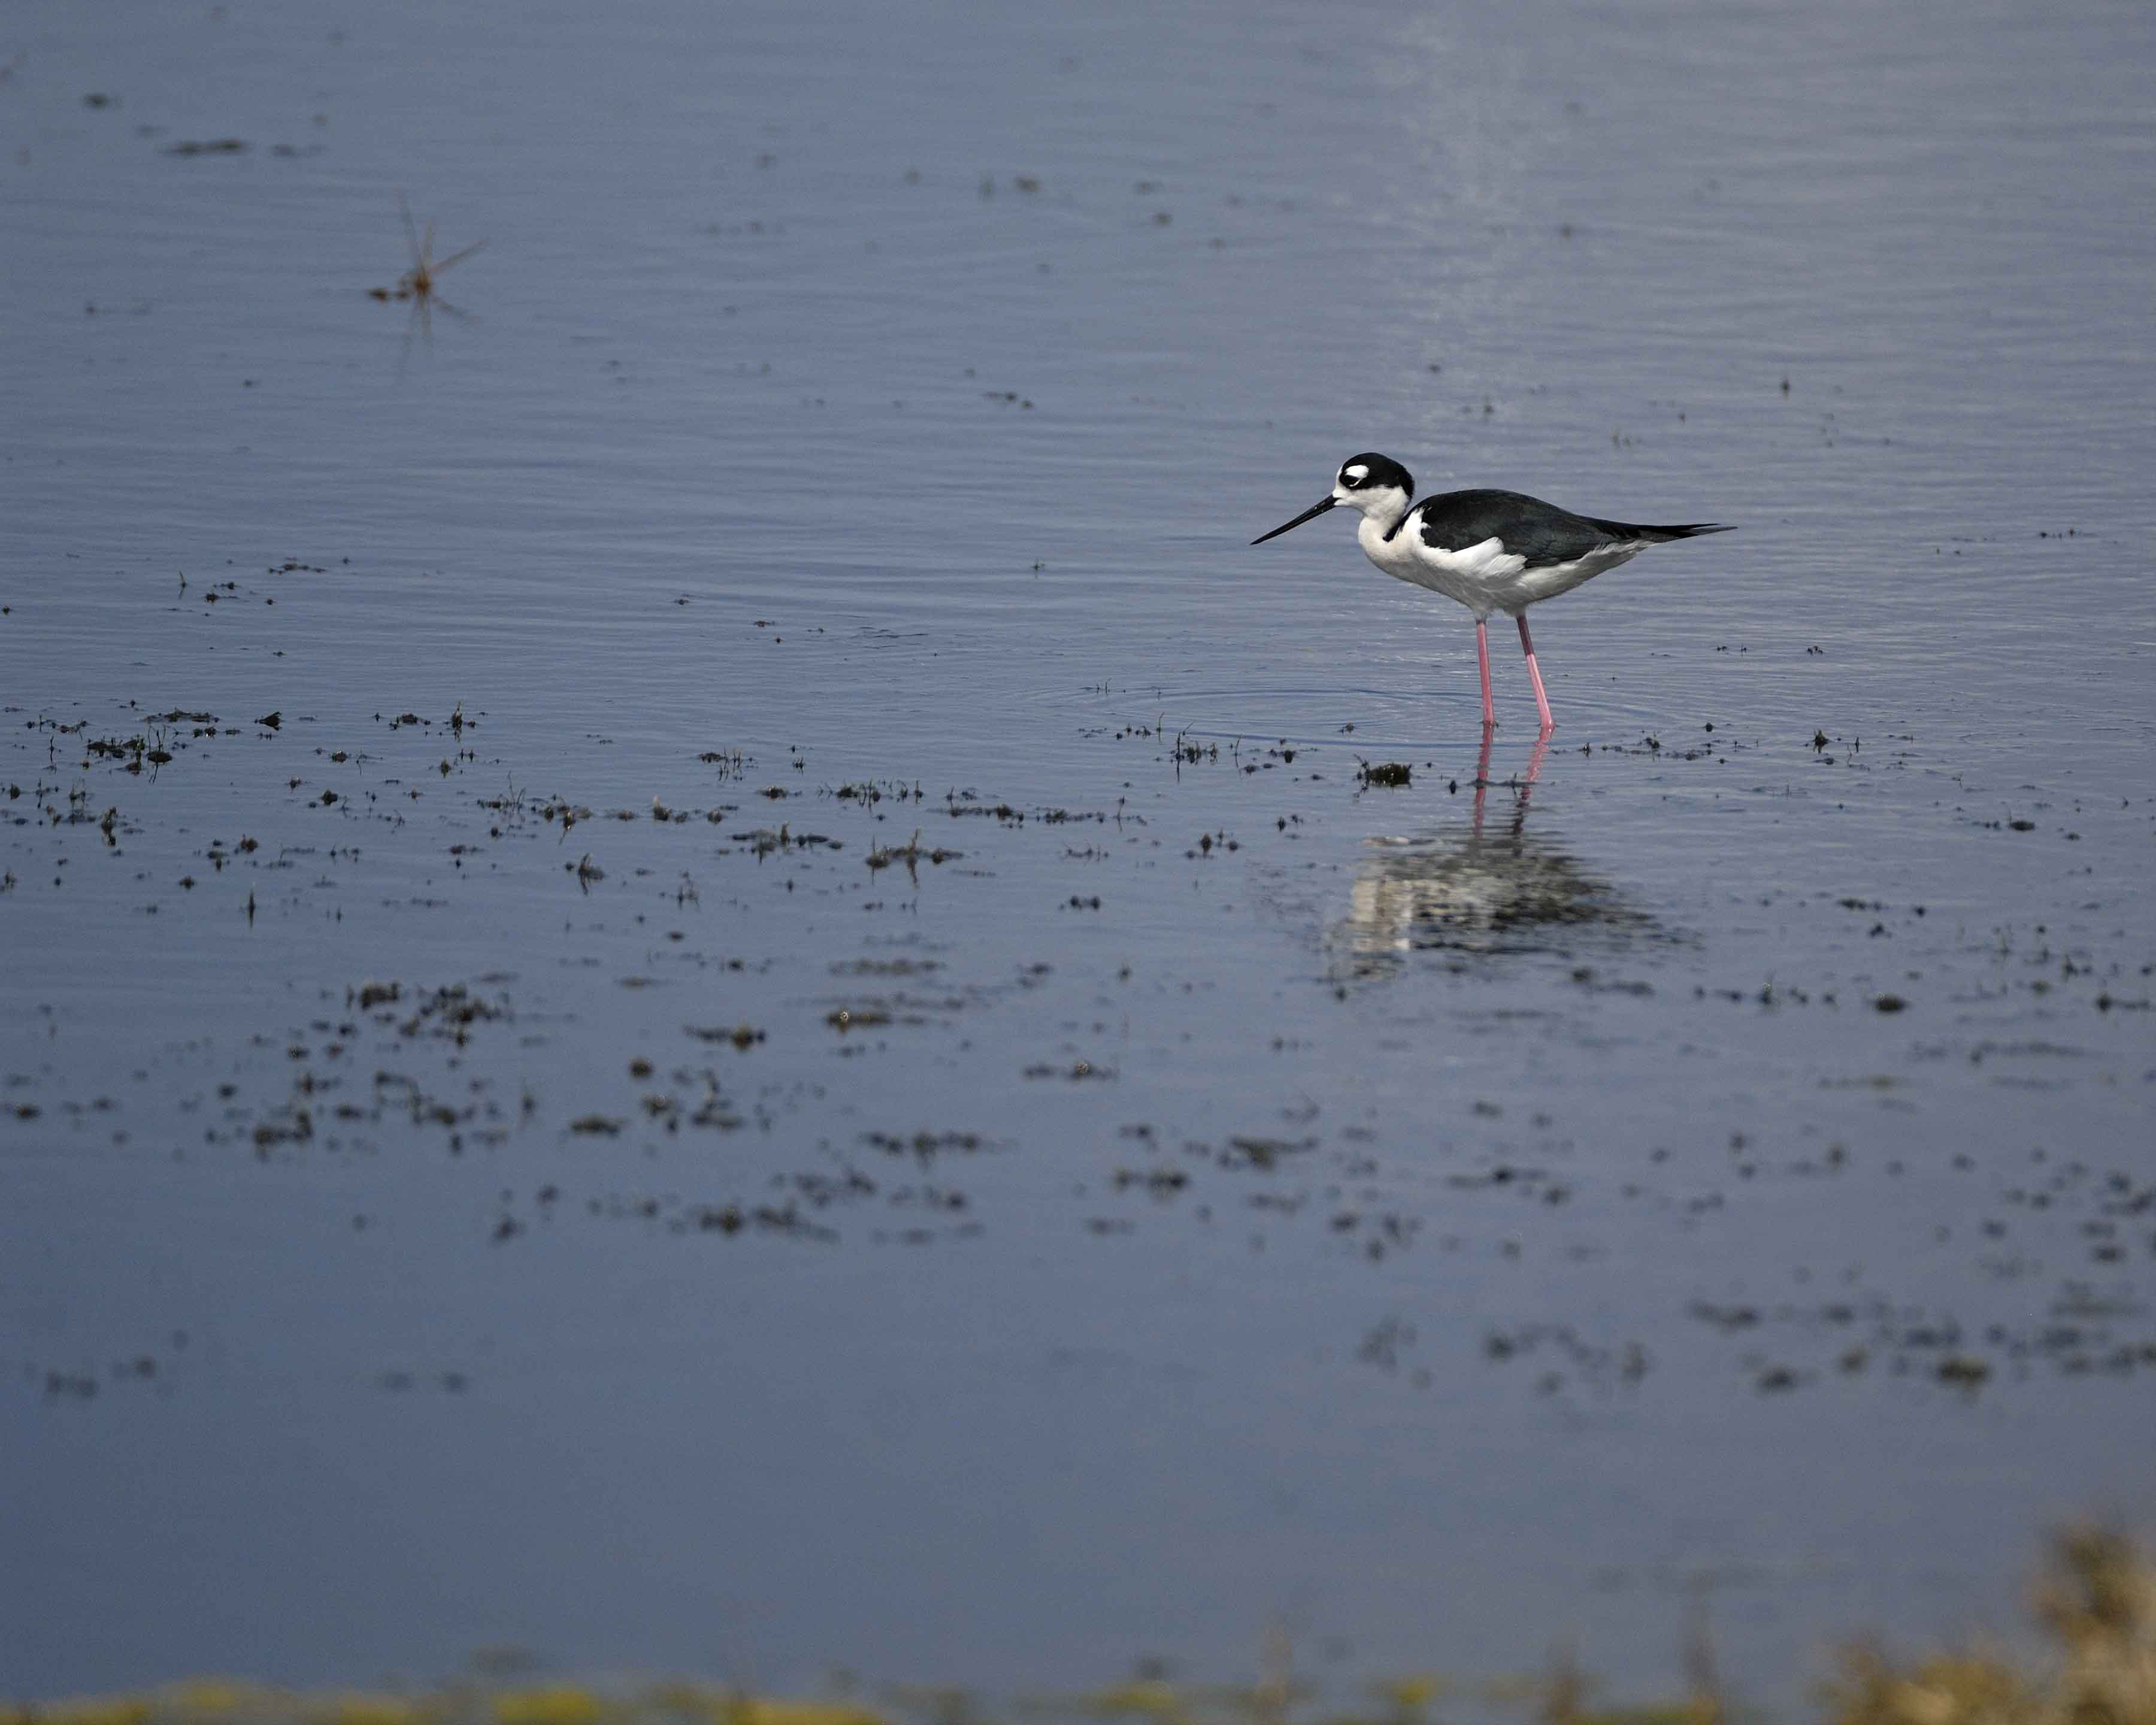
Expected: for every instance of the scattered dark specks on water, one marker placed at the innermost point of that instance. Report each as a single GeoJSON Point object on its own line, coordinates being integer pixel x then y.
{"type": "Point", "coordinates": [1262, 1153]}
{"type": "Point", "coordinates": [924, 1146]}
{"type": "Point", "coordinates": [1889, 1002]}
{"type": "Point", "coordinates": [1389, 773]}
{"type": "Point", "coordinates": [1382, 1346]}
{"type": "Point", "coordinates": [883, 856]}
{"type": "Point", "coordinates": [208, 146]}
{"type": "Point", "coordinates": [1161, 1183]}
{"type": "Point", "coordinates": [742, 1036]}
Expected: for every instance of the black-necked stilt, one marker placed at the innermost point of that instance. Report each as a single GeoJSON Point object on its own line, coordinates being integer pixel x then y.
{"type": "Point", "coordinates": [1491, 551]}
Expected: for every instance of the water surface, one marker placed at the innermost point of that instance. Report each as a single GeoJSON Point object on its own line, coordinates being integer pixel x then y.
{"type": "Point", "coordinates": [803, 1045]}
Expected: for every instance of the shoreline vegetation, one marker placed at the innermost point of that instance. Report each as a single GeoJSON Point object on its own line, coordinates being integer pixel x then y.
{"type": "Point", "coordinates": [2092, 1662]}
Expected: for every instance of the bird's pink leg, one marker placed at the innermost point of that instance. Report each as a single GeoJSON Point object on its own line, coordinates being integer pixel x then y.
{"type": "Point", "coordinates": [1482, 658]}
{"type": "Point", "coordinates": [1535, 676]}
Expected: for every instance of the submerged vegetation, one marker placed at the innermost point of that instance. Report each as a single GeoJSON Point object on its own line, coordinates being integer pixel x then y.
{"type": "Point", "coordinates": [2095, 1605]}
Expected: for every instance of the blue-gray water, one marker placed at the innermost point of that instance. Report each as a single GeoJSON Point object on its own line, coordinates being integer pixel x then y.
{"type": "Point", "coordinates": [1183, 1189]}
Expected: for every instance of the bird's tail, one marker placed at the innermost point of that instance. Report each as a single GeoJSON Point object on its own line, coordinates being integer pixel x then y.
{"type": "Point", "coordinates": [1662, 534]}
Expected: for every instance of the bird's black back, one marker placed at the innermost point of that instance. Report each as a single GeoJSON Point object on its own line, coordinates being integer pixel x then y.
{"type": "Point", "coordinates": [1528, 528]}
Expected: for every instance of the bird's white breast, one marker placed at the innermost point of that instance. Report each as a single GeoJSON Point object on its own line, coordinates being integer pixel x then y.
{"type": "Point", "coordinates": [1477, 577]}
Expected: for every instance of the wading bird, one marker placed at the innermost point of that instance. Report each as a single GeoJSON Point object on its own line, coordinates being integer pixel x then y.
{"type": "Point", "coordinates": [1491, 551]}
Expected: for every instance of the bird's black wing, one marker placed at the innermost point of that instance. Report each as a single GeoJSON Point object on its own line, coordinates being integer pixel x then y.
{"type": "Point", "coordinates": [1528, 527]}
{"type": "Point", "coordinates": [1662, 534]}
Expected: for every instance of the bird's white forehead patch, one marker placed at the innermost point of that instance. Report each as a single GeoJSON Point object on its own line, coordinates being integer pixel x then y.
{"type": "Point", "coordinates": [1357, 473]}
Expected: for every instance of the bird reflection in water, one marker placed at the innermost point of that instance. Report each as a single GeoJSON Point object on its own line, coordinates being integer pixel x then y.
{"type": "Point", "coordinates": [1490, 890]}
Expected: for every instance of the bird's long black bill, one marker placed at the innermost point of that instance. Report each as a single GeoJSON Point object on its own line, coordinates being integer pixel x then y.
{"type": "Point", "coordinates": [1310, 514]}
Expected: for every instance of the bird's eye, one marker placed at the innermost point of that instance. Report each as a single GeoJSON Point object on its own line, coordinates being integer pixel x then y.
{"type": "Point", "coordinates": [1352, 477]}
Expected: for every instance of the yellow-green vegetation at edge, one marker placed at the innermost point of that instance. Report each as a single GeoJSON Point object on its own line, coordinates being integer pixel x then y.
{"type": "Point", "coordinates": [2095, 1605]}
{"type": "Point", "coordinates": [221, 1702]}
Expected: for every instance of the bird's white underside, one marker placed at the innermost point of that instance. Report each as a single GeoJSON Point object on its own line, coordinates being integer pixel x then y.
{"type": "Point", "coordinates": [1485, 577]}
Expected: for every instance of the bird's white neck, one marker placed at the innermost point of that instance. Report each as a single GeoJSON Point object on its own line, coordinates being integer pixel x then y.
{"type": "Point", "coordinates": [1379, 517]}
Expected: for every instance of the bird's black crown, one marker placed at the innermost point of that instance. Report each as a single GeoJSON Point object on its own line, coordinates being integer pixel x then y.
{"type": "Point", "coordinates": [1372, 472]}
